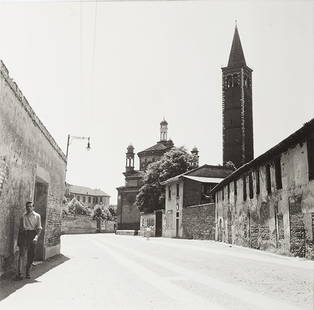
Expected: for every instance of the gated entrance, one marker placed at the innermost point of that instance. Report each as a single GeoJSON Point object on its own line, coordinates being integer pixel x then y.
{"type": "Point", "coordinates": [40, 204]}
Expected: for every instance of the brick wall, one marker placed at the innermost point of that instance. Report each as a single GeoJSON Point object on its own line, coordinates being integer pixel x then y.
{"type": "Point", "coordinates": [28, 154]}
{"type": "Point", "coordinates": [199, 222]}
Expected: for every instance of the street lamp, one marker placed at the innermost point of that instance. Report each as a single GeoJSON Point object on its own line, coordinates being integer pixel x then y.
{"type": "Point", "coordinates": [69, 142]}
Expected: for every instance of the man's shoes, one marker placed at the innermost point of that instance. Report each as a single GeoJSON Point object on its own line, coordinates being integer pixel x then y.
{"type": "Point", "coordinates": [18, 277]}
{"type": "Point", "coordinates": [27, 276]}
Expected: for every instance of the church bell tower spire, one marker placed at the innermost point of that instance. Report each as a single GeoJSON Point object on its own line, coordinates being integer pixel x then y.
{"type": "Point", "coordinates": [237, 106]}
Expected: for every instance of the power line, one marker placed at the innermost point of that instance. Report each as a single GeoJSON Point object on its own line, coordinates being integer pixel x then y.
{"type": "Point", "coordinates": [93, 57]}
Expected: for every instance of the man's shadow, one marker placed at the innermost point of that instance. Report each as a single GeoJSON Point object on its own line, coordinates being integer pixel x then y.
{"type": "Point", "coordinates": [9, 285]}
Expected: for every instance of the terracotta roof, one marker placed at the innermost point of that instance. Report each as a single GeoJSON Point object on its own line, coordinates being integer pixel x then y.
{"type": "Point", "coordinates": [82, 190]}
{"type": "Point", "coordinates": [159, 146]}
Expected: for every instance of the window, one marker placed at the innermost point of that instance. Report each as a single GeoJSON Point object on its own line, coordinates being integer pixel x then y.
{"type": "Point", "coordinates": [178, 189]}
{"type": "Point", "coordinates": [251, 185]}
{"type": "Point", "coordinates": [257, 181]}
{"type": "Point", "coordinates": [235, 189]}
{"type": "Point", "coordinates": [229, 81]}
{"type": "Point", "coordinates": [84, 198]}
{"type": "Point", "coordinates": [235, 80]}
{"type": "Point", "coordinates": [78, 197]}
{"type": "Point", "coordinates": [169, 192]}
{"type": "Point", "coordinates": [89, 199]}
{"type": "Point", "coordinates": [278, 173]}
{"type": "Point", "coordinates": [100, 199]}
{"type": "Point", "coordinates": [310, 156]}
{"type": "Point", "coordinates": [268, 179]}
{"type": "Point", "coordinates": [228, 191]}
{"type": "Point", "coordinates": [244, 188]}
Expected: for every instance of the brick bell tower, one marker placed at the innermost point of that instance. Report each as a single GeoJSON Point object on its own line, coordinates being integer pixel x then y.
{"type": "Point", "coordinates": [237, 107]}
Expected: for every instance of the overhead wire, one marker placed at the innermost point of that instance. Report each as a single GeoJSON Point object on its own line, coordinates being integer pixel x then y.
{"type": "Point", "coordinates": [93, 58]}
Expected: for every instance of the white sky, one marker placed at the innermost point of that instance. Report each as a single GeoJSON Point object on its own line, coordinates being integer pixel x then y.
{"type": "Point", "coordinates": [154, 59]}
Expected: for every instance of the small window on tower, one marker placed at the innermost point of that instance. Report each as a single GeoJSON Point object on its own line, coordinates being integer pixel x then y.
{"type": "Point", "coordinates": [235, 80]}
{"type": "Point", "coordinates": [229, 81]}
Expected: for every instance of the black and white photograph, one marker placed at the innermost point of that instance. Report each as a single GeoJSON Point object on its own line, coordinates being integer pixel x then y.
{"type": "Point", "coordinates": [157, 154]}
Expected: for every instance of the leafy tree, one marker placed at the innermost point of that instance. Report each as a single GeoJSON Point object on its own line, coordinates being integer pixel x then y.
{"type": "Point", "coordinates": [103, 211]}
{"type": "Point", "coordinates": [76, 207]}
{"type": "Point", "coordinates": [174, 162]}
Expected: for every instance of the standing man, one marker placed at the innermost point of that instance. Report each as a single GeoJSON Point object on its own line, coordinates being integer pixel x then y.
{"type": "Point", "coordinates": [29, 231]}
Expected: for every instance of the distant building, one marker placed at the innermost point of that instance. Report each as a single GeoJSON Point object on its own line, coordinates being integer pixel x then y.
{"type": "Point", "coordinates": [128, 214]}
{"type": "Point", "coordinates": [88, 196]}
{"type": "Point", "coordinates": [188, 189]}
{"type": "Point", "coordinates": [268, 203]}
{"type": "Point", "coordinates": [237, 107]}
{"type": "Point", "coordinates": [32, 168]}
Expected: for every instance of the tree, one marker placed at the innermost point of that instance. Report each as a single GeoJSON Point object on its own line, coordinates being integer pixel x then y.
{"type": "Point", "coordinates": [173, 163]}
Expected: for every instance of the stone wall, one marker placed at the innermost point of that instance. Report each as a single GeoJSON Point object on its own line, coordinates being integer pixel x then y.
{"type": "Point", "coordinates": [82, 224]}
{"type": "Point", "coordinates": [29, 156]}
{"type": "Point", "coordinates": [280, 219]}
{"type": "Point", "coordinates": [199, 222]}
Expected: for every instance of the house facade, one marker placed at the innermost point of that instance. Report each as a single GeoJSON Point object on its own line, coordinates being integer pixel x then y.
{"type": "Point", "coordinates": [88, 196]}
{"type": "Point", "coordinates": [268, 203]}
{"type": "Point", "coordinates": [32, 168]}
{"type": "Point", "coordinates": [191, 188]}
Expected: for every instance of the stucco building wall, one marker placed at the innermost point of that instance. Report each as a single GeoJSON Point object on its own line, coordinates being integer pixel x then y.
{"type": "Point", "coordinates": [173, 211]}
{"type": "Point", "coordinates": [279, 218]}
{"type": "Point", "coordinates": [32, 166]}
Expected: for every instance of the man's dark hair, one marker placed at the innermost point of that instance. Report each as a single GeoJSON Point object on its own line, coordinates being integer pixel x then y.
{"type": "Point", "coordinates": [28, 202]}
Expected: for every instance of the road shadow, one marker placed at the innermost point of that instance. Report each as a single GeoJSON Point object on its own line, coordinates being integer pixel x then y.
{"type": "Point", "coordinates": [8, 285]}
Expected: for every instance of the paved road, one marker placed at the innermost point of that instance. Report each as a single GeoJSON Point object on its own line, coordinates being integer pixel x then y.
{"type": "Point", "coordinates": [104, 271]}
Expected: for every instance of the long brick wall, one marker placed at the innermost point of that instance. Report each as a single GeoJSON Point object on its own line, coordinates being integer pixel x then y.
{"type": "Point", "coordinates": [199, 222]}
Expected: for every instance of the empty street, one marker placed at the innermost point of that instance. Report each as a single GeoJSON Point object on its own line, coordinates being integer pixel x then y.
{"type": "Point", "coordinates": [106, 271]}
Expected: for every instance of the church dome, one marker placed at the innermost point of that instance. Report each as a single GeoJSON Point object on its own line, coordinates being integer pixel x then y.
{"type": "Point", "coordinates": [163, 122]}
{"type": "Point", "coordinates": [194, 150]}
{"type": "Point", "coordinates": [130, 148]}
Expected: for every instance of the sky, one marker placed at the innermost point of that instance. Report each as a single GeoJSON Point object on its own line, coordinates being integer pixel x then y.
{"type": "Point", "coordinates": [112, 70]}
